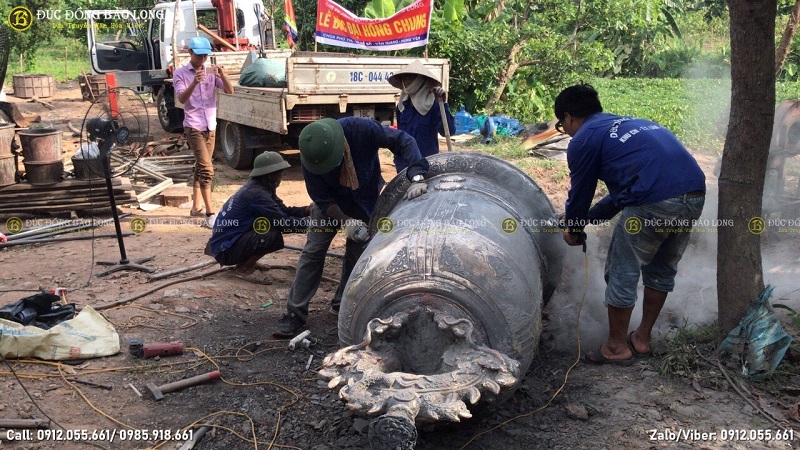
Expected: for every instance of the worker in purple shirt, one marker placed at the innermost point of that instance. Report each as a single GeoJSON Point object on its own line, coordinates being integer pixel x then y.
{"type": "Point", "coordinates": [658, 190]}
{"type": "Point", "coordinates": [417, 111]}
{"type": "Point", "coordinates": [342, 173]}
{"type": "Point", "coordinates": [196, 87]}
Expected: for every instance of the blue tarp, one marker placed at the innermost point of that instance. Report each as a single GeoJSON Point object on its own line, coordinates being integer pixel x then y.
{"type": "Point", "coordinates": [759, 342]}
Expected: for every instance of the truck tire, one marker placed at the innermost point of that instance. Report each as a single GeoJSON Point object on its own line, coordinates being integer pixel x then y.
{"type": "Point", "coordinates": [170, 117]}
{"type": "Point", "coordinates": [231, 141]}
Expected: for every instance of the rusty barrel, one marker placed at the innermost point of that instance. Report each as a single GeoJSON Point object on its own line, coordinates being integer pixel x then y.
{"type": "Point", "coordinates": [7, 132]}
{"type": "Point", "coordinates": [480, 245]}
{"type": "Point", "coordinates": [41, 144]}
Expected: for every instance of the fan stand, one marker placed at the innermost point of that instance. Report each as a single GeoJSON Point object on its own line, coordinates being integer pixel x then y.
{"type": "Point", "coordinates": [124, 263]}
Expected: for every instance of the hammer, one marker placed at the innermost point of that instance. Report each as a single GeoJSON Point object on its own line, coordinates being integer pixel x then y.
{"type": "Point", "coordinates": [159, 391]}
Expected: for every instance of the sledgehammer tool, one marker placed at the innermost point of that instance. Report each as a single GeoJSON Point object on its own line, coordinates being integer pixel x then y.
{"type": "Point", "coordinates": [159, 391]}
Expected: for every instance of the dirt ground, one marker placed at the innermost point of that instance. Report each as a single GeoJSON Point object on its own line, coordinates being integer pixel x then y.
{"type": "Point", "coordinates": [273, 395]}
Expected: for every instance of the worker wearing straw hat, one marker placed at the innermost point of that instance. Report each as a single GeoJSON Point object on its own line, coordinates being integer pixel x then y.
{"type": "Point", "coordinates": [417, 113]}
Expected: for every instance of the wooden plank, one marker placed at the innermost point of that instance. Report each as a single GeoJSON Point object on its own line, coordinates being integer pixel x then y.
{"type": "Point", "coordinates": [56, 208]}
{"type": "Point", "coordinates": [57, 194]}
{"type": "Point", "coordinates": [66, 200]}
{"type": "Point", "coordinates": [66, 184]}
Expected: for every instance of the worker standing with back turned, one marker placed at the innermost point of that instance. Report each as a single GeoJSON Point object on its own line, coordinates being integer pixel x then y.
{"type": "Point", "coordinates": [658, 189]}
{"type": "Point", "coordinates": [196, 87]}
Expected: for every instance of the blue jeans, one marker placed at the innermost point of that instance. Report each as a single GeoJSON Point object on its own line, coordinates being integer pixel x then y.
{"type": "Point", "coordinates": [649, 239]}
{"type": "Point", "coordinates": [312, 260]}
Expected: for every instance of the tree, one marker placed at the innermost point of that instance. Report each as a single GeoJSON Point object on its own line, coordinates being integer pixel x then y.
{"type": "Point", "coordinates": [788, 35]}
{"type": "Point", "coordinates": [740, 277]}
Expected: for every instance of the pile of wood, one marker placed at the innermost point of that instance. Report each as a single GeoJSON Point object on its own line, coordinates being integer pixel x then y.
{"type": "Point", "coordinates": [69, 195]}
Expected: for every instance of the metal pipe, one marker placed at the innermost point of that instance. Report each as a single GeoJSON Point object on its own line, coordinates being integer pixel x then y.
{"type": "Point", "coordinates": [62, 239]}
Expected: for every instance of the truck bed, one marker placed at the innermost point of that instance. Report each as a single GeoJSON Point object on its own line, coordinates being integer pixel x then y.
{"type": "Point", "coordinates": [322, 83]}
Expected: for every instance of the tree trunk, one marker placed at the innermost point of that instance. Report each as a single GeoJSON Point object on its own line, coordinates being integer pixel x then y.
{"type": "Point", "coordinates": [505, 76]}
{"type": "Point", "coordinates": [788, 36]}
{"type": "Point", "coordinates": [740, 277]}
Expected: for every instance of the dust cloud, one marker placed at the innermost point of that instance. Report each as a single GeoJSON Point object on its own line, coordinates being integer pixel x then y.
{"type": "Point", "coordinates": [693, 301]}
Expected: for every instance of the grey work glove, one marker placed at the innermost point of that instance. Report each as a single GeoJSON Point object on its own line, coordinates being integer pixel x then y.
{"type": "Point", "coordinates": [415, 189]}
{"type": "Point", "coordinates": [357, 232]}
{"type": "Point", "coordinates": [439, 92]}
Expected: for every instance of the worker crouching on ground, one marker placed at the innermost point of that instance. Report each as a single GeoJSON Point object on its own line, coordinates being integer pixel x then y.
{"type": "Point", "coordinates": [659, 190]}
{"type": "Point", "coordinates": [252, 222]}
{"type": "Point", "coordinates": [343, 177]}
{"type": "Point", "coordinates": [417, 112]}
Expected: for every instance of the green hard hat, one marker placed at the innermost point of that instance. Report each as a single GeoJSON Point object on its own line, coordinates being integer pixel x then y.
{"type": "Point", "coordinates": [268, 162]}
{"type": "Point", "coordinates": [322, 146]}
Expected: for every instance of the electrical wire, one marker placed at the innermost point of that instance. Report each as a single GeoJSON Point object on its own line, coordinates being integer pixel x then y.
{"type": "Point", "coordinates": [30, 397]}
{"type": "Point", "coordinates": [566, 375]}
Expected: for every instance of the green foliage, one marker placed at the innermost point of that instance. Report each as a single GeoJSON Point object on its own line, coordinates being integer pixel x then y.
{"type": "Point", "coordinates": [453, 10]}
{"type": "Point", "coordinates": [63, 54]}
{"type": "Point", "coordinates": [681, 358]}
{"type": "Point", "coordinates": [40, 33]}
{"type": "Point", "coordinates": [377, 9]}
{"type": "Point", "coordinates": [696, 110]}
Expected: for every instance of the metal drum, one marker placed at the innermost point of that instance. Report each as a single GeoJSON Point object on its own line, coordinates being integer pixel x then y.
{"type": "Point", "coordinates": [452, 285]}
{"type": "Point", "coordinates": [41, 144]}
{"type": "Point", "coordinates": [7, 132]}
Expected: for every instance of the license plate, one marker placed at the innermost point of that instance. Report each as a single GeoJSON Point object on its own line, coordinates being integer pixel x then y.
{"type": "Point", "coordinates": [368, 112]}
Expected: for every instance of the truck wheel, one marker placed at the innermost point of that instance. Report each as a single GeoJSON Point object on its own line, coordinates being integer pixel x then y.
{"type": "Point", "coordinates": [170, 117]}
{"type": "Point", "coordinates": [230, 138]}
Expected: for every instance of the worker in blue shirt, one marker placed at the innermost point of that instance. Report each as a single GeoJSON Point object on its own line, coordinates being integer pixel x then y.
{"type": "Point", "coordinates": [659, 190]}
{"type": "Point", "coordinates": [417, 111]}
{"type": "Point", "coordinates": [252, 222]}
{"type": "Point", "coordinates": [343, 178]}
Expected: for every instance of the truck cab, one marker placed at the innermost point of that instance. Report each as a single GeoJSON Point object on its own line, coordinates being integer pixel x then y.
{"type": "Point", "coordinates": [143, 47]}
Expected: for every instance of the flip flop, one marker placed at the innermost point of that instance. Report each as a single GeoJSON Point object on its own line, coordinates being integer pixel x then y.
{"type": "Point", "coordinates": [636, 354]}
{"type": "Point", "coordinates": [198, 213]}
{"type": "Point", "coordinates": [262, 267]}
{"type": "Point", "coordinates": [253, 278]}
{"type": "Point", "coordinates": [596, 357]}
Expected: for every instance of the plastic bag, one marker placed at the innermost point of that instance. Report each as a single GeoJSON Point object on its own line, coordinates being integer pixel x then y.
{"type": "Point", "coordinates": [38, 310]}
{"type": "Point", "coordinates": [88, 335]}
{"type": "Point", "coordinates": [758, 342]}
{"type": "Point", "coordinates": [264, 72]}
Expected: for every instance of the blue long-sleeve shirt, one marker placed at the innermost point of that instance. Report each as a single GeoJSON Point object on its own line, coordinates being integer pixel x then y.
{"type": "Point", "coordinates": [249, 203]}
{"type": "Point", "coordinates": [640, 161]}
{"type": "Point", "coordinates": [424, 129]}
{"type": "Point", "coordinates": [365, 137]}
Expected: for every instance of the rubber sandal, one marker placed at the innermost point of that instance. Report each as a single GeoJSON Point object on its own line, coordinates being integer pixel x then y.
{"type": "Point", "coordinates": [636, 354]}
{"type": "Point", "coordinates": [198, 213]}
{"type": "Point", "coordinates": [253, 278]}
{"type": "Point", "coordinates": [596, 357]}
{"type": "Point", "coordinates": [262, 267]}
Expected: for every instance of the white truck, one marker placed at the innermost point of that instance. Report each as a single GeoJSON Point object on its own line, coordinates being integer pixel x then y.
{"type": "Point", "coordinates": [143, 48]}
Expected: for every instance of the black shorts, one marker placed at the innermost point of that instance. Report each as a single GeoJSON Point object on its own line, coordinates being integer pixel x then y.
{"type": "Point", "coordinates": [249, 244]}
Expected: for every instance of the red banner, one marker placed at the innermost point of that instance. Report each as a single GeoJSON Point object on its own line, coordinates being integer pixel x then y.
{"type": "Point", "coordinates": [407, 28]}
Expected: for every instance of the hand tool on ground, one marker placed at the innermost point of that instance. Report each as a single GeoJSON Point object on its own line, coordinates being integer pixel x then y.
{"type": "Point", "coordinates": [300, 339]}
{"type": "Point", "coordinates": [139, 349]}
{"type": "Point", "coordinates": [159, 391]}
{"type": "Point", "coordinates": [107, 387]}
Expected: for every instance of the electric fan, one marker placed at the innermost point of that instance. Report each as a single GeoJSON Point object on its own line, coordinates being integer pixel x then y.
{"type": "Point", "coordinates": [114, 134]}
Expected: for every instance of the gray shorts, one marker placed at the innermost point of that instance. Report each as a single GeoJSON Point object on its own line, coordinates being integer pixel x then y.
{"type": "Point", "coordinates": [649, 239]}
